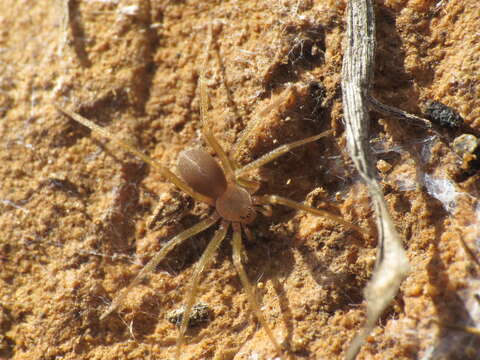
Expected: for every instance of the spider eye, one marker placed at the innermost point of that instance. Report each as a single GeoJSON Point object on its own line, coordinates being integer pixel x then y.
{"type": "Point", "coordinates": [248, 215]}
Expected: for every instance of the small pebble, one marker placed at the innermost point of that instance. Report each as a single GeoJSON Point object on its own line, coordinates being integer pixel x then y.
{"type": "Point", "coordinates": [467, 146]}
{"type": "Point", "coordinates": [200, 313]}
{"type": "Point", "coordinates": [443, 115]}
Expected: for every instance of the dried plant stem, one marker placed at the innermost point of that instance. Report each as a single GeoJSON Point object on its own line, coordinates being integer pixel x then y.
{"type": "Point", "coordinates": [357, 75]}
{"type": "Point", "coordinates": [65, 18]}
{"type": "Point", "coordinates": [395, 112]}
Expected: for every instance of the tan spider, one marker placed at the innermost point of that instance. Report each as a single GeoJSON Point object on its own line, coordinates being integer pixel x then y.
{"type": "Point", "coordinates": [228, 191]}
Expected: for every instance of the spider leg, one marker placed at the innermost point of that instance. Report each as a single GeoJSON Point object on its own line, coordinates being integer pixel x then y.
{"type": "Point", "coordinates": [252, 300]}
{"type": "Point", "coordinates": [207, 130]}
{"type": "Point", "coordinates": [278, 200]}
{"type": "Point", "coordinates": [159, 256]}
{"type": "Point", "coordinates": [272, 155]}
{"type": "Point", "coordinates": [265, 209]}
{"type": "Point", "coordinates": [249, 234]}
{"type": "Point", "coordinates": [129, 148]}
{"type": "Point", "coordinates": [251, 185]}
{"type": "Point", "coordinates": [204, 261]}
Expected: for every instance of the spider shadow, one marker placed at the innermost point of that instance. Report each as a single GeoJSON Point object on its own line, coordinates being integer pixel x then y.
{"type": "Point", "coordinates": [343, 288]}
{"type": "Point", "coordinates": [264, 266]}
{"type": "Point", "coordinates": [78, 34]}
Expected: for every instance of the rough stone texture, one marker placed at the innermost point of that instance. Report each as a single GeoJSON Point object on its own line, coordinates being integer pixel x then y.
{"type": "Point", "coordinates": [74, 210]}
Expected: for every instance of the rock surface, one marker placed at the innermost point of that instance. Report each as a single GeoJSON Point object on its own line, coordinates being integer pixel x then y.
{"type": "Point", "coordinates": [74, 209]}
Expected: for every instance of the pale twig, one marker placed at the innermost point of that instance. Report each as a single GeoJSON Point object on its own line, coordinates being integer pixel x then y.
{"type": "Point", "coordinates": [357, 75]}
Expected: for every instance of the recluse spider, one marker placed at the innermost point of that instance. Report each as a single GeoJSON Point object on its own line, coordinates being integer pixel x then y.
{"type": "Point", "coordinates": [229, 192]}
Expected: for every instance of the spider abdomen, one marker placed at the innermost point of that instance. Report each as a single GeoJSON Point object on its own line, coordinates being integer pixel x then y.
{"type": "Point", "coordinates": [199, 170]}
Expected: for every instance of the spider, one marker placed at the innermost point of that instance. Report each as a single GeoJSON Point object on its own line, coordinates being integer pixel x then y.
{"type": "Point", "coordinates": [227, 190]}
